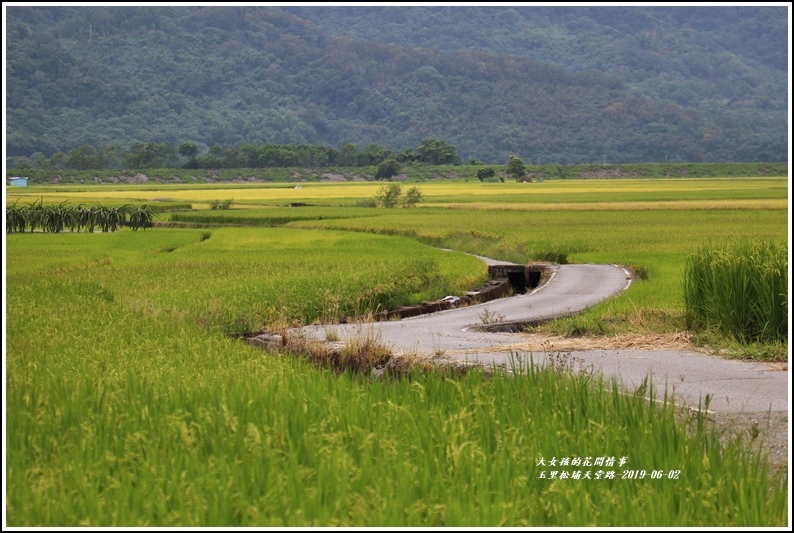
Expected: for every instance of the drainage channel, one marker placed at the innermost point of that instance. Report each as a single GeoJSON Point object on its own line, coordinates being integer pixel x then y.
{"type": "Point", "coordinates": [505, 279]}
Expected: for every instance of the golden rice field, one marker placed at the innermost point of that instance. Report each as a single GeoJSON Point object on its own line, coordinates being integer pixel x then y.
{"type": "Point", "coordinates": [621, 206]}
{"type": "Point", "coordinates": [753, 193]}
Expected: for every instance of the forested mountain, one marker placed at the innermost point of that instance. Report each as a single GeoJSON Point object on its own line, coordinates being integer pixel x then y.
{"type": "Point", "coordinates": [730, 61]}
{"type": "Point", "coordinates": [110, 77]}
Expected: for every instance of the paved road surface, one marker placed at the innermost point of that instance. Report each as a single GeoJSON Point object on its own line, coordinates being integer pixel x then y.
{"type": "Point", "coordinates": [734, 386]}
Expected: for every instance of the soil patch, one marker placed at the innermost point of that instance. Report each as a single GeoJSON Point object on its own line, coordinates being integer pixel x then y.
{"type": "Point", "coordinates": [656, 341]}
{"type": "Point", "coordinates": [615, 172]}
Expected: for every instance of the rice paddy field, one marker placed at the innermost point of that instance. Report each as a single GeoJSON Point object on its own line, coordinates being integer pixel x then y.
{"type": "Point", "coordinates": [128, 402]}
{"type": "Point", "coordinates": [550, 192]}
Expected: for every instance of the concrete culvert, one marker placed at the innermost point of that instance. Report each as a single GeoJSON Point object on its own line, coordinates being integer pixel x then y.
{"type": "Point", "coordinates": [521, 277]}
{"type": "Point", "coordinates": [518, 282]}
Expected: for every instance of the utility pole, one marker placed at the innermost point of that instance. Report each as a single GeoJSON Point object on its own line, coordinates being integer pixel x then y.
{"type": "Point", "coordinates": [605, 159]}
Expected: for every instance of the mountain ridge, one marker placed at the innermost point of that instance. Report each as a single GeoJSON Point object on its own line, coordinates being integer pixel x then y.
{"type": "Point", "coordinates": [231, 76]}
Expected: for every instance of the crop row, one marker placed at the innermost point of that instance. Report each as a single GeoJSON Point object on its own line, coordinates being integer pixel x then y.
{"type": "Point", "coordinates": [57, 218]}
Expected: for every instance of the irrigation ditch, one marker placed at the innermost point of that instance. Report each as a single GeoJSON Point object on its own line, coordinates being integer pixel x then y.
{"type": "Point", "coordinates": [365, 353]}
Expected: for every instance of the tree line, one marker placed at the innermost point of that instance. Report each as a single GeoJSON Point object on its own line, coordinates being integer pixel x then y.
{"type": "Point", "coordinates": [192, 155]}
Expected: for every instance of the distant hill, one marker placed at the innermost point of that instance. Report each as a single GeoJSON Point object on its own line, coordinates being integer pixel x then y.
{"type": "Point", "coordinates": [114, 76]}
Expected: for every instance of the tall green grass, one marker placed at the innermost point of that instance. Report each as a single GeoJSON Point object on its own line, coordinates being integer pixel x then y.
{"type": "Point", "coordinates": [740, 289]}
{"type": "Point", "coordinates": [119, 419]}
{"type": "Point", "coordinates": [241, 279]}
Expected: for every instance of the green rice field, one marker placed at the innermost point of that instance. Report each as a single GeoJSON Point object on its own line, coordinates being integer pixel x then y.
{"type": "Point", "coordinates": [129, 403]}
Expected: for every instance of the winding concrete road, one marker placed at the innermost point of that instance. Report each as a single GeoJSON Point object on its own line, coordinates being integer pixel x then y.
{"type": "Point", "coordinates": [457, 334]}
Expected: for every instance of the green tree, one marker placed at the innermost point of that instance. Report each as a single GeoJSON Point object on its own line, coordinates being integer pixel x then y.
{"type": "Point", "coordinates": [41, 161]}
{"type": "Point", "coordinates": [407, 156]}
{"type": "Point", "coordinates": [515, 167]}
{"type": "Point", "coordinates": [485, 173]}
{"type": "Point", "coordinates": [412, 197]}
{"type": "Point", "coordinates": [233, 158]}
{"type": "Point", "coordinates": [332, 156]}
{"type": "Point", "coordinates": [389, 195]}
{"type": "Point", "coordinates": [85, 157]}
{"type": "Point", "coordinates": [348, 155]}
{"type": "Point", "coordinates": [216, 150]}
{"type": "Point", "coordinates": [188, 150]}
{"type": "Point", "coordinates": [249, 153]}
{"type": "Point", "coordinates": [151, 155]}
{"type": "Point", "coordinates": [56, 162]}
{"type": "Point", "coordinates": [436, 152]}
{"type": "Point", "coordinates": [278, 155]}
{"type": "Point", "coordinates": [113, 156]}
{"type": "Point", "coordinates": [388, 169]}
{"type": "Point", "coordinates": [374, 154]}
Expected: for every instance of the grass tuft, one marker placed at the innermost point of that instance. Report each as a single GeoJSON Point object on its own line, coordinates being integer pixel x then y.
{"type": "Point", "coordinates": [739, 289]}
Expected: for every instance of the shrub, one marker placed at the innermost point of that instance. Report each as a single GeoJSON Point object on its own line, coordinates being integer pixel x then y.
{"type": "Point", "coordinates": [412, 197]}
{"type": "Point", "coordinates": [388, 169]}
{"type": "Point", "coordinates": [485, 173]}
{"type": "Point", "coordinates": [389, 195]}
{"type": "Point", "coordinates": [220, 204]}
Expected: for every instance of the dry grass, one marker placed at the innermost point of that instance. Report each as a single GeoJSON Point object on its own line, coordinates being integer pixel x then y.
{"type": "Point", "coordinates": [362, 353]}
{"type": "Point", "coordinates": [540, 342]}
